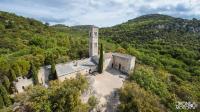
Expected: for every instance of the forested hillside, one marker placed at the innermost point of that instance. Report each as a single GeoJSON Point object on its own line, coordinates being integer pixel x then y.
{"type": "Point", "coordinates": [167, 69]}
{"type": "Point", "coordinates": [26, 44]}
{"type": "Point", "coordinates": [168, 65]}
{"type": "Point", "coordinates": [24, 41]}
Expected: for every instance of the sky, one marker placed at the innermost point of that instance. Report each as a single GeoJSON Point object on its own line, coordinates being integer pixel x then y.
{"type": "Point", "coordinates": [102, 13]}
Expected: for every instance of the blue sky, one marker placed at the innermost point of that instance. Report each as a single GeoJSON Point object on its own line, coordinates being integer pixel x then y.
{"type": "Point", "coordinates": [98, 12]}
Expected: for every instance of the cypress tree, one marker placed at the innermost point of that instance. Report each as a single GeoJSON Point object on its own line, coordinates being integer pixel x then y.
{"type": "Point", "coordinates": [5, 96]}
{"type": "Point", "coordinates": [52, 75]}
{"type": "Point", "coordinates": [12, 75]}
{"type": "Point", "coordinates": [100, 65]}
{"type": "Point", "coordinates": [33, 72]}
{"type": "Point", "coordinates": [6, 82]}
{"type": "Point", "coordinates": [1, 102]}
{"type": "Point", "coordinates": [16, 69]}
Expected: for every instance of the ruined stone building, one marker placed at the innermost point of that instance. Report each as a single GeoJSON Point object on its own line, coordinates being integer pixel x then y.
{"type": "Point", "coordinates": [122, 62]}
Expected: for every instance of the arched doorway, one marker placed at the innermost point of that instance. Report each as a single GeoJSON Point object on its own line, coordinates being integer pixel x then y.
{"type": "Point", "coordinates": [119, 66]}
{"type": "Point", "coordinates": [90, 71]}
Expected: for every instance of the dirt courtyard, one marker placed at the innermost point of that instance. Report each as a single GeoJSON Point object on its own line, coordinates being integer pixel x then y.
{"type": "Point", "coordinates": [107, 82]}
{"type": "Point", "coordinates": [104, 87]}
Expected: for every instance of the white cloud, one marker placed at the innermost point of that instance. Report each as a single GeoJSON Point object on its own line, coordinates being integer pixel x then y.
{"type": "Point", "coordinates": [98, 12]}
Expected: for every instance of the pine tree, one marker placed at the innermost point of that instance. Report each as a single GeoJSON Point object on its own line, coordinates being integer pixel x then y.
{"type": "Point", "coordinates": [6, 82]}
{"type": "Point", "coordinates": [100, 66]}
{"type": "Point", "coordinates": [5, 96]}
{"type": "Point", "coordinates": [1, 102]}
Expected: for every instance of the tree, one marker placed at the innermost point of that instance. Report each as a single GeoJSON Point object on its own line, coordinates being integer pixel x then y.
{"type": "Point", "coordinates": [48, 59]}
{"type": "Point", "coordinates": [46, 24]}
{"type": "Point", "coordinates": [12, 74]}
{"type": "Point", "coordinates": [33, 73]}
{"type": "Point", "coordinates": [4, 66]}
{"type": "Point", "coordinates": [133, 98]}
{"type": "Point", "coordinates": [24, 66]}
{"type": "Point", "coordinates": [100, 66]}
{"type": "Point", "coordinates": [93, 102]}
{"type": "Point", "coordinates": [38, 41]}
{"type": "Point", "coordinates": [1, 102]}
{"type": "Point", "coordinates": [10, 25]}
{"type": "Point", "coordinates": [2, 27]}
{"type": "Point", "coordinates": [53, 75]}
{"type": "Point", "coordinates": [6, 82]}
{"type": "Point", "coordinates": [5, 96]}
{"type": "Point", "coordinates": [58, 97]}
{"type": "Point", "coordinates": [16, 69]}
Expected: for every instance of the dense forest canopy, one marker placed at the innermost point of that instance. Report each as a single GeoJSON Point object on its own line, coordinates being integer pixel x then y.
{"type": "Point", "coordinates": [167, 51]}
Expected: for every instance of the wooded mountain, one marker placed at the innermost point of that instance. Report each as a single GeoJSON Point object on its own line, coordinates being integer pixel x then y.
{"type": "Point", "coordinates": [167, 51]}
{"type": "Point", "coordinates": [161, 35]}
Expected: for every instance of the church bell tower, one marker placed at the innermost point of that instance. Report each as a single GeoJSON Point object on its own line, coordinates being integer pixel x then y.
{"type": "Point", "coordinates": [93, 41]}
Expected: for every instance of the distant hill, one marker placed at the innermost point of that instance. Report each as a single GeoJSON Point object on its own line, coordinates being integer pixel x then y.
{"type": "Point", "coordinates": [77, 27]}
{"type": "Point", "coordinates": [155, 26]}
{"type": "Point", "coordinates": [60, 25]}
{"type": "Point", "coordinates": [82, 27]}
{"type": "Point", "coordinates": [152, 16]}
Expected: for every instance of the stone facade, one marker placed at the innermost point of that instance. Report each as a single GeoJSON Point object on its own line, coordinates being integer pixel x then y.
{"type": "Point", "coordinates": [122, 62]}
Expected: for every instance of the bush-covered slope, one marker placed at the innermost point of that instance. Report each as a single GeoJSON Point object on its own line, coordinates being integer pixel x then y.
{"type": "Point", "coordinates": [166, 42]}
{"type": "Point", "coordinates": [25, 40]}
{"type": "Point", "coordinates": [168, 54]}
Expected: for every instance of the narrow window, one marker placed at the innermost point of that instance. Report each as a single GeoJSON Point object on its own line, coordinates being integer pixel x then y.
{"type": "Point", "coordinates": [95, 33]}
{"type": "Point", "coordinates": [95, 45]}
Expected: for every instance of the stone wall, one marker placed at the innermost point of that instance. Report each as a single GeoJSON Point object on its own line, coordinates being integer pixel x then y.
{"type": "Point", "coordinates": [107, 63]}
{"type": "Point", "coordinates": [132, 63]}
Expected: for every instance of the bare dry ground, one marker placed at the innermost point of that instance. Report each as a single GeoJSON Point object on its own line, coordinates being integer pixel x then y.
{"type": "Point", "coordinates": [104, 87]}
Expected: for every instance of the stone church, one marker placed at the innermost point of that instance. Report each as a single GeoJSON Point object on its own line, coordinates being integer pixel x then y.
{"type": "Point", "coordinates": [122, 62]}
